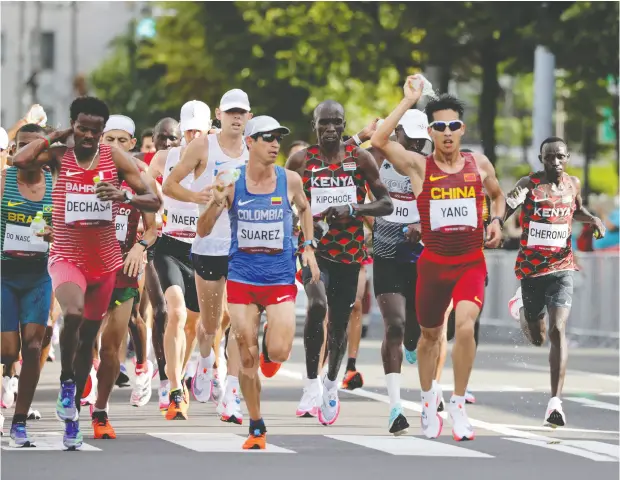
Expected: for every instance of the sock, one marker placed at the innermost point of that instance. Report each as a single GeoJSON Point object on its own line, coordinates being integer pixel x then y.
{"type": "Point", "coordinates": [207, 362]}
{"type": "Point", "coordinates": [66, 377]}
{"type": "Point", "coordinates": [97, 410]}
{"type": "Point", "coordinates": [351, 364]}
{"type": "Point", "coordinates": [232, 383]}
{"type": "Point", "coordinates": [257, 425]}
{"type": "Point", "coordinates": [329, 384]}
{"type": "Point", "coordinates": [393, 388]}
{"type": "Point", "coordinates": [434, 385]}
{"type": "Point", "coordinates": [19, 418]}
{"type": "Point", "coordinates": [458, 400]}
{"type": "Point", "coordinates": [175, 390]}
{"type": "Point", "coordinates": [141, 368]}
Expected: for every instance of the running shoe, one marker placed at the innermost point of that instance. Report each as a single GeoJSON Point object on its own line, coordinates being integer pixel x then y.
{"type": "Point", "coordinates": [330, 406]}
{"type": "Point", "coordinates": [1, 425]}
{"type": "Point", "coordinates": [177, 409]}
{"type": "Point", "coordinates": [164, 393]}
{"type": "Point", "coordinates": [101, 426]}
{"type": "Point", "coordinates": [430, 420]}
{"type": "Point", "coordinates": [202, 385]}
{"type": "Point", "coordinates": [231, 408]}
{"type": "Point", "coordinates": [123, 377]}
{"type": "Point", "coordinates": [515, 304]}
{"type": "Point", "coordinates": [555, 415]}
{"type": "Point", "coordinates": [352, 380]}
{"type": "Point", "coordinates": [19, 436]}
{"type": "Point", "coordinates": [142, 389]}
{"type": "Point", "coordinates": [34, 414]}
{"type": "Point", "coordinates": [398, 424]}
{"type": "Point", "coordinates": [257, 440]}
{"type": "Point", "coordinates": [411, 356]}
{"type": "Point", "coordinates": [267, 367]}
{"type": "Point", "coordinates": [8, 395]}
{"type": "Point", "coordinates": [72, 438]}
{"type": "Point", "coordinates": [469, 397]}
{"type": "Point", "coordinates": [89, 395]}
{"type": "Point", "coordinates": [461, 427]}
{"type": "Point", "coordinates": [66, 409]}
{"type": "Point", "coordinates": [217, 392]}
{"type": "Point", "coordinates": [310, 400]}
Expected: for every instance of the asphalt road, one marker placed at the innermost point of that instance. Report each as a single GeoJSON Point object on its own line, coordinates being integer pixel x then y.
{"type": "Point", "coordinates": [511, 387]}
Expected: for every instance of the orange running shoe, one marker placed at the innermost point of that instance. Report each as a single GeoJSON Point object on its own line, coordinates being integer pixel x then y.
{"type": "Point", "coordinates": [101, 426]}
{"type": "Point", "coordinates": [269, 369]}
{"type": "Point", "coordinates": [256, 441]}
{"type": "Point", "coordinates": [177, 410]}
{"type": "Point", "coordinates": [352, 380]}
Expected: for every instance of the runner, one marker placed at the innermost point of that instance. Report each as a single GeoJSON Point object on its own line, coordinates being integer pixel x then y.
{"type": "Point", "coordinates": [122, 311]}
{"type": "Point", "coordinates": [550, 200]}
{"type": "Point", "coordinates": [202, 160]}
{"type": "Point", "coordinates": [262, 261]}
{"type": "Point", "coordinates": [147, 145]}
{"type": "Point", "coordinates": [335, 177]}
{"type": "Point", "coordinates": [448, 187]}
{"type": "Point", "coordinates": [85, 254]}
{"type": "Point", "coordinates": [26, 284]}
{"type": "Point", "coordinates": [174, 268]}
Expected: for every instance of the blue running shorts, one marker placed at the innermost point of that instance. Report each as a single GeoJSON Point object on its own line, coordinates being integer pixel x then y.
{"type": "Point", "coordinates": [26, 298]}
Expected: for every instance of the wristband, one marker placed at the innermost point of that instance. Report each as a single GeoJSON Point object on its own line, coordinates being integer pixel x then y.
{"type": "Point", "coordinates": [405, 228]}
{"type": "Point", "coordinates": [357, 140]}
{"type": "Point", "coordinates": [501, 222]}
{"type": "Point", "coordinates": [47, 141]}
{"type": "Point", "coordinates": [351, 212]}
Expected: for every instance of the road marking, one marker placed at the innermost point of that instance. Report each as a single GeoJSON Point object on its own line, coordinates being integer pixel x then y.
{"type": "Point", "coordinates": [491, 388]}
{"type": "Point", "coordinates": [582, 448]}
{"type": "Point", "coordinates": [588, 402]}
{"type": "Point", "coordinates": [538, 428]}
{"type": "Point", "coordinates": [46, 442]}
{"type": "Point", "coordinates": [214, 442]}
{"type": "Point", "coordinates": [573, 372]}
{"type": "Point", "coordinates": [409, 446]}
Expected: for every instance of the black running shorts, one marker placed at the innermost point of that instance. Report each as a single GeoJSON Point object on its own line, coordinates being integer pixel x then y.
{"type": "Point", "coordinates": [552, 290]}
{"type": "Point", "coordinates": [340, 280]}
{"type": "Point", "coordinates": [391, 276]}
{"type": "Point", "coordinates": [210, 268]}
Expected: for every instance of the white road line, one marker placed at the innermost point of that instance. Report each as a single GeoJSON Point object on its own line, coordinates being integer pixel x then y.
{"type": "Point", "coordinates": [46, 442]}
{"type": "Point", "coordinates": [536, 428]}
{"type": "Point", "coordinates": [584, 449]}
{"type": "Point", "coordinates": [539, 368]}
{"type": "Point", "coordinates": [588, 402]}
{"type": "Point", "coordinates": [409, 446]}
{"type": "Point", "coordinates": [214, 442]}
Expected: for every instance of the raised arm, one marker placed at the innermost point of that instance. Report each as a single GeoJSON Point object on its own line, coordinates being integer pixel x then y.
{"type": "Point", "coordinates": [382, 203]}
{"type": "Point", "coordinates": [145, 199]}
{"type": "Point", "coordinates": [149, 219]}
{"type": "Point", "coordinates": [39, 153]}
{"type": "Point", "coordinates": [516, 196]}
{"type": "Point", "coordinates": [192, 155]}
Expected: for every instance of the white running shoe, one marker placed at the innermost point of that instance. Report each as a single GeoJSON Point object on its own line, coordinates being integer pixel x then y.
{"type": "Point", "coordinates": [430, 420]}
{"type": "Point", "coordinates": [34, 414]}
{"type": "Point", "coordinates": [202, 384]}
{"type": "Point", "coordinates": [329, 410]}
{"type": "Point", "coordinates": [230, 407]}
{"type": "Point", "coordinates": [91, 397]}
{"type": "Point", "coordinates": [554, 416]}
{"type": "Point", "coordinates": [469, 397]}
{"type": "Point", "coordinates": [515, 304]}
{"type": "Point", "coordinates": [310, 400]}
{"type": "Point", "coordinates": [217, 391]}
{"type": "Point", "coordinates": [164, 395]}
{"type": "Point", "coordinates": [1, 425]}
{"type": "Point", "coordinates": [461, 427]}
{"type": "Point", "coordinates": [142, 389]}
{"type": "Point", "coordinates": [8, 394]}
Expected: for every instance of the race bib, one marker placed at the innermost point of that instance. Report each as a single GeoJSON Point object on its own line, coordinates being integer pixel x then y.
{"type": "Point", "coordinates": [121, 227]}
{"type": "Point", "coordinates": [181, 223]}
{"type": "Point", "coordinates": [260, 237]}
{"type": "Point", "coordinates": [453, 214]}
{"type": "Point", "coordinates": [323, 198]}
{"type": "Point", "coordinates": [405, 211]}
{"type": "Point", "coordinates": [17, 242]}
{"type": "Point", "coordinates": [85, 209]}
{"type": "Point", "coordinates": [547, 235]}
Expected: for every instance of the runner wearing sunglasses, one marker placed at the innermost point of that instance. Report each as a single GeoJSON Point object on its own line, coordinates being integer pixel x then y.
{"type": "Point", "coordinates": [448, 186]}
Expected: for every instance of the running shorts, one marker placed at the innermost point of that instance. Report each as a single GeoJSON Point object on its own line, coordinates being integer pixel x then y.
{"type": "Point", "coordinates": [340, 280]}
{"type": "Point", "coordinates": [439, 283]}
{"type": "Point", "coordinates": [97, 290]}
{"type": "Point", "coordinates": [26, 298]}
{"type": "Point", "coordinates": [452, 320]}
{"type": "Point", "coordinates": [121, 295]}
{"type": "Point", "coordinates": [261, 295]}
{"type": "Point", "coordinates": [552, 290]}
{"type": "Point", "coordinates": [150, 252]}
{"type": "Point", "coordinates": [174, 268]}
{"type": "Point", "coordinates": [392, 276]}
{"type": "Point", "coordinates": [210, 268]}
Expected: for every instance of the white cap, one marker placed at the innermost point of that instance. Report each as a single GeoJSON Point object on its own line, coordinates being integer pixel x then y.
{"type": "Point", "coordinates": [4, 139]}
{"type": "Point", "coordinates": [264, 124]}
{"type": "Point", "coordinates": [195, 115]}
{"type": "Point", "coordinates": [235, 98]}
{"type": "Point", "coordinates": [415, 124]}
{"type": "Point", "coordinates": [120, 122]}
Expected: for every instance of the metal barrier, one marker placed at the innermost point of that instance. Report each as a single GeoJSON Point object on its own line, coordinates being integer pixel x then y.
{"type": "Point", "coordinates": [595, 314]}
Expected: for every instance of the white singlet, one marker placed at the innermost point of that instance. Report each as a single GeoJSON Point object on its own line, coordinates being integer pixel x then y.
{"type": "Point", "coordinates": [216, 244]}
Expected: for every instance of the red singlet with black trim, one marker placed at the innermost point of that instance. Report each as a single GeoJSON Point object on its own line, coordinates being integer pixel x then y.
{"type": "Point", "coordinates": [546, 219]}
{"type": "Point", "coordinates": [450, 207]}
{"type": "Point", "coordinates": [331, 185]}
{"type": "Point", "coordinates": [127, 221]}
{"type": "Point", "coordinates": [84, 227]}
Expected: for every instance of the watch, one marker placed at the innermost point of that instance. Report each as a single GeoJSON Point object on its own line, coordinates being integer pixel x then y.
{"type": "Point", "coordinates": [499, 219]}
{"type": "Point", "coordinates": [144, 243]}
{"type": "Point", "coordinates": [311, 243]}
{"type": "Point", "coordinates": [128, 196]}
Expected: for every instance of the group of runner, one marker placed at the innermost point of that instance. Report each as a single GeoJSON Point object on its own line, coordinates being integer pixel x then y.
{"type": "Point", "coordinates": [195, 241]}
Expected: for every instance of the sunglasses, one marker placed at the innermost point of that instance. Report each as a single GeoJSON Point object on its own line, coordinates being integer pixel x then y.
{"type": "Point", "coordinates": [440, 126]}
{"type": "Point", "coordinates": [268, 137]}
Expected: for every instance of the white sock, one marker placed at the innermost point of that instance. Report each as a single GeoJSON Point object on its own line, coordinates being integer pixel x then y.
{"type": "Point", "coordinates": [149, 342]}
{"type": "Point", "coordinates": [232, 383]}
{"type": "Point", "coordinates": [329, 384]}
{"type": "Point", "coordinates": [208, 362]}
{"type": "Point", "coordinates": [393, 388]}
{"type": "Point", "coordinates": [95, 409]}
{"type": "Point", "coordinates": [434, 385]}
{"type": "Point", "coordinates": [458, 400]}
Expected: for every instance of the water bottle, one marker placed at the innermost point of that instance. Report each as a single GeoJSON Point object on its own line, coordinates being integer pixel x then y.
{"type": "Point", "coordinates": [515, 202]}
{"type": "Point", "coordinates": [228, 177]}
{"type": "Point", "coordinates": [37, 226]}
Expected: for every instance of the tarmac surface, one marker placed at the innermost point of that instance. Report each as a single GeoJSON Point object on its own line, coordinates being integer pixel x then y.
{"type": "Point", "coordinates": [511, 384]}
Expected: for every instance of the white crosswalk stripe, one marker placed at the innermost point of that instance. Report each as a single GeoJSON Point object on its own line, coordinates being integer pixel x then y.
{"type": "Point", "coordinates": [214, 442]}
{"type": "Point", "coordinates": [597, 451]}
{"type": "Point", "coordinates": [46, 442]}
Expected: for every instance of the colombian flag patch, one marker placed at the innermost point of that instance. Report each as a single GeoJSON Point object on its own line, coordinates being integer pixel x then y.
{"type": "Point", "coordinates": [276, 201]}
